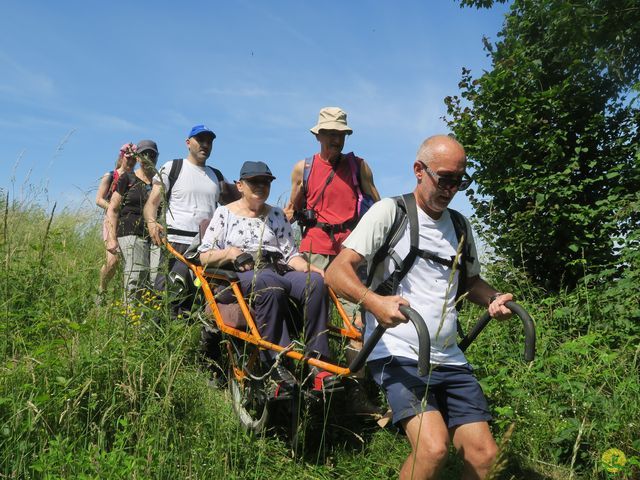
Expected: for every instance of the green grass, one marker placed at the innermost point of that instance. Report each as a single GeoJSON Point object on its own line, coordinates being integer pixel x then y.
{"type": "Point", "coordinates": [96, 392]}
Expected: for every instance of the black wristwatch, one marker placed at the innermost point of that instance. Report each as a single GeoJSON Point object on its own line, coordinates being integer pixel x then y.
{"type": "Point", "coordinates": [493, 297]}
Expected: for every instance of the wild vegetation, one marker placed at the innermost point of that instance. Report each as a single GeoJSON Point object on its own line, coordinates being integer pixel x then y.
{"type": "Point", "coordinates": [103, 392]}
{"type": "Point", "coordinates": [111, 391]}
{"type": "Point", "coordinates": [552, 134]}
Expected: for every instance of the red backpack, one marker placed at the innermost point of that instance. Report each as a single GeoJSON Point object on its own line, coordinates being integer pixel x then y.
{"type": "Point", "coordinates": [114, 175]}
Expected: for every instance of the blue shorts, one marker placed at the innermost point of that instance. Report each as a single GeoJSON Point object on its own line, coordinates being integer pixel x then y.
{"type": "Point", "coordinates": [450, 389]}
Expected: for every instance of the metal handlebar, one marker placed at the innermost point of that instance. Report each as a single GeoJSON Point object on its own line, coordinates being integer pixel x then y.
{"type": "Point", "coordinates": [424, 342]}
{"type": "Point", "coordinates": [527, 322]}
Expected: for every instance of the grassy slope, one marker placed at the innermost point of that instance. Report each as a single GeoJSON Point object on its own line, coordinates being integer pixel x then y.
{"type": "Point", "coordinates": [94, 392]}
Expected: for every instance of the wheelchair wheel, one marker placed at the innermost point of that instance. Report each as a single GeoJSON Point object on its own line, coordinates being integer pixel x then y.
{"type": "Point", "coordinates": [249, 396]}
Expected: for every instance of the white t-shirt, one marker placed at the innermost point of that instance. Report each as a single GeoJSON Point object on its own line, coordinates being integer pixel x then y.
{"type": "Point", "coordinates": [427, 286]}
{"type": "Point", "coordinates": [271, 233]}
{"type": "Point", "coordinates": [194, 198]}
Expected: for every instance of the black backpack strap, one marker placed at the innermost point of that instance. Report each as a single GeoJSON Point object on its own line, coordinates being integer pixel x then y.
{"type": "Point", "coordinates": [445, 262]}
{"type": "Point", "coordinates": [462, 234]}
{"type": "Point", "coordinates": [174, 173]}
{"type": "Point", "coordinates": [217, 173]}
{"type": "Point", "coordinates": [414, 232]}
{"type": "Point", "coordinates": [383, 252]}
{"type": "Point", "coordinates": [308, 163]}
{"type": "Point", "coordinates": [407, 204]}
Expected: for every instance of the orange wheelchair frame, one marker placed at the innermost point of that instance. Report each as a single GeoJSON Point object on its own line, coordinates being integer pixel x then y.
{"type": "Point", "coordinates": [250, 333]}
{"type": "Point", "coordinates": [243, 382]}
{"type": "Point", "coordinates": [248, 383]}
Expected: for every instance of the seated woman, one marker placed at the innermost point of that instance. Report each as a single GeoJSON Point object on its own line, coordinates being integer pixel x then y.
{"type": "Point", "coordinates": [274, 273]}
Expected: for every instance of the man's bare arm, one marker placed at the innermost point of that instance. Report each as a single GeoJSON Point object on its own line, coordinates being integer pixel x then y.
{"type": "Point", "coordinates": [483, 294]}
{"type": "Point", "coordinates": [150, 213]}
{"type": "Point", "coordinates": [102, 191]}
{"type": "Point", "coordinates": [297, 195]}
{"type": "Point", "coordinates": [341, 276]}
{"type": "Point", "coordinates": [366, 178]}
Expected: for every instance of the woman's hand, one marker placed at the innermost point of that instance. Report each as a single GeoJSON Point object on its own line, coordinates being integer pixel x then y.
{"type": "Point", "coordinates": [300, 264]}
{"type": "Point", "coordinates": [156, 232]}
{"type": "Point", "coordinates": [313, 268]}
{"type": "Point", "coordinates": [112, 246]}
{"type": "Point", "coordinates": [234, 253]}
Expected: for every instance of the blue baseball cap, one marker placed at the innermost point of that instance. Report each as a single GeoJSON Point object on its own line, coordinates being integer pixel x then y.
{"type": "Point", "coordinates": [200, 129]}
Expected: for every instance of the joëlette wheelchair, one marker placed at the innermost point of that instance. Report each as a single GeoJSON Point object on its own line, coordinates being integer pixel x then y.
{"type": "Point", "coordinates": [254, 399]}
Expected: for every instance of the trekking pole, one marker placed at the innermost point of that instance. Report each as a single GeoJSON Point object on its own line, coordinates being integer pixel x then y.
{"type": "Point", "coordinates": [424, 342]}
{"type": "Point", "coordinates": [527, 323]}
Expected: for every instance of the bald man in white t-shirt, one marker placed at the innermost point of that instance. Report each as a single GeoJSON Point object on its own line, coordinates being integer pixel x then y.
{"type": "Point", "coordinates": [447, 405]}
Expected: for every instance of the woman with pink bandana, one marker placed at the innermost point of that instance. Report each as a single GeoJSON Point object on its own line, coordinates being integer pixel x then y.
{"type": "Point", "coordinates": [125, 163]}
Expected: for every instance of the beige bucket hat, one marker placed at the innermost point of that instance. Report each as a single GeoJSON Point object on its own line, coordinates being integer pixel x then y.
{"type": "Point", "coordinates": [332, 118]}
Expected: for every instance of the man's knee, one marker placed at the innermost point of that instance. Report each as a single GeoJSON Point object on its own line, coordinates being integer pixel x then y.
{"type": "Point", "coordinates": [431, 450]}
{"type": "Point", "coordinates": [428, 436]}
{"type": "Point", "coordinates": [480, 456]}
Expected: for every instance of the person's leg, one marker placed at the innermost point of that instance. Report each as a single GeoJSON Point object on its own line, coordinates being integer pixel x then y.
{"type": "Point", "coordinates": [475, 443]}
{"type": "Point", "coordinates": [416, 405]}
{"type": "Point", "coordinates": [266, 293]}
{"type": "Point", "coordinates": [154, 262]}
{"type": "Point", "coordinates": [357, 394]}
{"type": "Point", "coordinates": [429, 439]}
{"type": "Point", "coordinates": [127, 246]}
{"type": "Point", "coordinates": [107, 271]}
{"type": "Point", "coordinates": [468, 413]}
{"type": "Point", "coordinates": [135, 263]}
{"type": "Point", "coordinates": [140, 263]}
{"type": "Point", "coordinates": [173, 279]}
{"type": "Point", "coordinates": [308, 290]}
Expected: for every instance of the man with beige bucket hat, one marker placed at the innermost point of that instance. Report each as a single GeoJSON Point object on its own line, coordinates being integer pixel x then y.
{"type": "Point", "coordinates": [330, 191]}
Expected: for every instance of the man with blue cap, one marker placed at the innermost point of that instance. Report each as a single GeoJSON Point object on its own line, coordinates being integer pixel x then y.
{"type": "Point", "coordinates": [192, 190]}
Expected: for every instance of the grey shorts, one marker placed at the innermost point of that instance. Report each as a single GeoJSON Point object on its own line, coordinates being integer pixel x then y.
{"type": "Point", "coordinates": [450, 389]}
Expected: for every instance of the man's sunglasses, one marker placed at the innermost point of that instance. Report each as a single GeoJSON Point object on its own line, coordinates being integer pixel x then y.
{"type": "Point", "coordinates": [447, 182]}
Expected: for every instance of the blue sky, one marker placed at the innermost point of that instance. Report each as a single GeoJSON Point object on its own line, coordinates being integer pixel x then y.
{"type": "Point", "coordinates": [81, 78]}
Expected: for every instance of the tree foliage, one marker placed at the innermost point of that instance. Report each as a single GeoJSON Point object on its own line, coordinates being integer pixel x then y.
{"type": "Point", "coordinates": [552, 135]}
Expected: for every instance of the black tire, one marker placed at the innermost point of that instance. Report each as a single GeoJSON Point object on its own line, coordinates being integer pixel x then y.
{"type": "Point", "coordinates": [249, 397]}
{"type": "Point", "coordinates": [252, 413]}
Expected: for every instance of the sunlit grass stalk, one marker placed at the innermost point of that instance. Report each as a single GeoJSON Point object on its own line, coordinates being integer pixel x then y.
{"type": "Point", "coordinates": [45, 237]}
{"type": "Point", "coordinates": [5, 296]}
{"type": "Point", "coordinates": [501, 460]}
{"type": "Point", "coordinates": [576, 447]}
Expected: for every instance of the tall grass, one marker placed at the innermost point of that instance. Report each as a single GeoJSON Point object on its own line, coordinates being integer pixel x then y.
{"type": "Point", "coordinates": [103, 392]}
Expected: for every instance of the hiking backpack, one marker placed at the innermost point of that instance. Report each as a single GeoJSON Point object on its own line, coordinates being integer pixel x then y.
{"type": "Point", "coordinates": [174, 173]}
{"type": "Point", "coordinates": [114, 175]}
{"type": "Point", "coordinates": [406, 211]}
{"type": "Point", "coordinates": [363, 201]}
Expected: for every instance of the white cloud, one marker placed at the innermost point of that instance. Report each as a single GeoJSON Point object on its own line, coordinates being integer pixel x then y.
{"type": "Point", "coordinates": [19, 81]}
{"type": "Point", "coordinates": [111, 122]}
{"type": "Point", "coordinates": [29, 122]}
